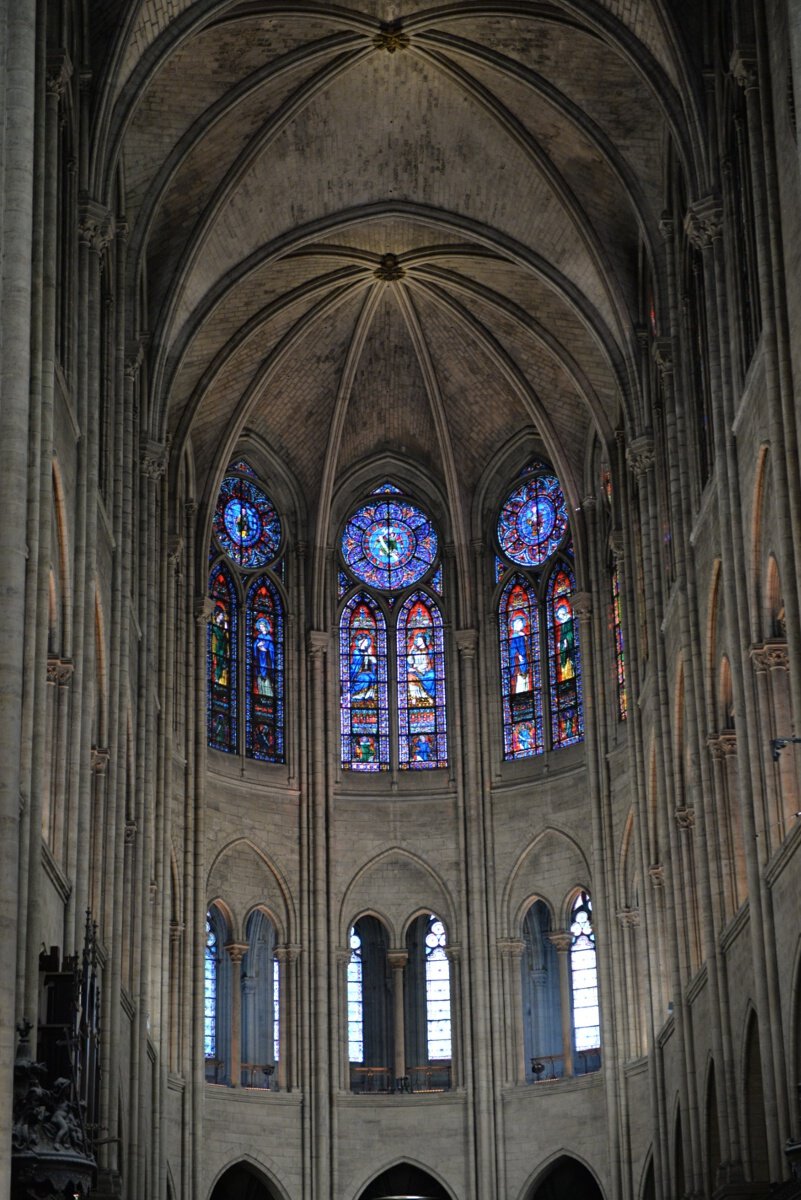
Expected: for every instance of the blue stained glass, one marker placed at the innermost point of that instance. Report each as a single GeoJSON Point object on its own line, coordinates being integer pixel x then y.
{"type": "Point", "coordinates": [363, 686]}
{"type": "Point", "coordinates": [385, 488]}
{"type": "Point", "coordinates": [343, 583]}
{"type": "Point", "coordinates": [438, 992]}
{"type": "Point", "coordinates": [222, 662]}
{"type": "Point", "coordinates": [567, 717]}
{"type": "Point", "coordinates": [355, 1000]}
{"type": "Point", "coordinates": [521, 680]}
{"type": "Point", "coordinates": [264, 675]}
{"type": "Point", "coordinates": [584, 977]}
{"type": "Point", "coordinates": [620, 651]}
{"type": "Point", "coordinates": [500, 567]}
{"type": "Point", "coordinates": [422, 740]}
{"type": "Point", "coordinates": [533, 521]}
{"type": "Point", "coordinates": [246, 525]}
{"type": "Point", "coordinates": [210, 991]}
{"type": "Point", "coordinates": [436, 581]}
{"type": "Point", "coordinates": [390, 544]}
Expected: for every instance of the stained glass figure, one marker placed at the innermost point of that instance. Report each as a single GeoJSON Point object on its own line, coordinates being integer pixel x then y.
{"type": "Point", "coordinates": [567, 720]}
{"type": "Point", "coordinates": [264, 676]}
{"type": "Point", "coordinates": [246, 525]}
{"type": "Point", "coordinates": [389, 544]}
{"type": "Point", "coordinates": [438, 992]}
{"type": "Point", "coordinates": [620, 656]}
{"type": "Point", "coordinates": [363, 686]}
{"type": "Point", "coordinates": [533, 521]}
{"type": "Point", "coordinates": [386, 488]}
{"type": "Point", "coordinates": [222, 662]}
{"type": "Point", "coordinates": [584, 976]}
{"type": "Point", "coordinates": [521, 679]}
{"type": "Point", "coordinates": [243, 467]}
{"type": "Point", "coordinates": [210, 990]}
{"type": "Point", "coordinates": [422, 739]}
{"type": "Point", "coordinates": [355, 1000]}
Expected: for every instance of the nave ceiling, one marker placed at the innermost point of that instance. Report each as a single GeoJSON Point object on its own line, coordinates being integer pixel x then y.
{"type": "Point", "coordinates": [385, 226]}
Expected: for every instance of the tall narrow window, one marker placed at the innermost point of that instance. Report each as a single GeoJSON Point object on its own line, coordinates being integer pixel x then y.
{"type": "Point", "coordinates": [566, 708]}
{"type": "Point", "coordinates": [438, 992]}
{"type": "Point", "coordinates": [222, 640]}
{"type": "Point", "coordinates": [355, 1000]}
{"type": "Point", "coordinates": [264, 706]}
{"type": "Point", "coordinates": [421, 684]}
{"type": "Point", "coordinates": [210, 964]}
{"type": "Point", "coordinates": [388, 631]}
{"type": "Point", "coordinates": [363, 677]}
{"type": "Point", "coordinates": [276, 1009]}
{"type": "Point", "coordinates": [584, 976]}
{"type": "Point", "coordinates": [246, 627]}
{"type": "Point", "coordinates": [620, 658]}
{"type": "Point", "coordinates": [520, 670]}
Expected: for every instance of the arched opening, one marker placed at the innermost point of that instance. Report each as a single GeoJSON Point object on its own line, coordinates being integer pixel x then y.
{"type": "Point", "coordinates": [713, 1151]}
{"type": "Point", "coordinates": [404, 1182]}
{"type": "Point", "coordinates": [566, 1180]}
{"type": "Point", "coordinates": [371, 1046]}
{"type": "Point", "coordinates": [755, 1123]}
{"type": "Point", "coordinates": [241, 1182]}
{"type": "Point", "coordinates": [542, 997]}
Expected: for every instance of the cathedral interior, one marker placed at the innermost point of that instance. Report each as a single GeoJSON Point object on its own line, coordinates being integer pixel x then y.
{"type": "Point", "coordinates": [400, 717]}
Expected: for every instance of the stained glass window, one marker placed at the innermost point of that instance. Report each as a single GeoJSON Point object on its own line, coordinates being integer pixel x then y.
{"type": "Point", "coordinates": [343, 584]}
{"type": "Point", "coordinates": [620, 659]}
{"type": "Point", "coordinates": [222, 641]}
{"type": "Point", "coordinates": [520, 670]}
{"type": "Point", "coordinates": [355, 1000]}
{"type": "Point", "coordinates": [363, 684]}
{"type": "Point", "coordinates": [584, 976]}
{"type": "Point", "coordinates": [438, 992]}
{"type": "Point", "coordinates": [246, 525]}
{"type": "Point", "coordinates": [500, 568]}
{"type": "Point", "coordinates": [385, 488]}
{"type": "Point", "coordinates": [421, 685]}
{"type": "Point", "coordinates": [210, 990]}
{"type": "Point", "coordinates": [243, 467]}
{"type": "Point", "coordinates": [533, 521]}
{"type": "Point", "coordinates": [565, 661]}
{"type": "Point", "coordinates": [436, 581]}
{"type": "Point", "coordinates": [276, 1009]}
{"type": "Point", "coordinates": [264, 703]}
{"type": "Point", "coordinates": [389, 544]}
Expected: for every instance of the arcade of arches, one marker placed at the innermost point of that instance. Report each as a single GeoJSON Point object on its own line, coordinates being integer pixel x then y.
{"type": "Point", "coordinates": [401, 679]}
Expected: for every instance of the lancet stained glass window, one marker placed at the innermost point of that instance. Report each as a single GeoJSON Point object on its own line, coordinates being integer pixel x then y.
{"type": "Point", "coordinates": [246, 525]}
{"type": "Point", "coordinates": [222, 641]}
{"type": "Point", "coordinates": [210, 990]}
{"type": "Point", "coordinates": [363, 682]}
{"type": "Point", "coordinates": [355, 1000]}
{"type": "Point", "coordinates": [565, 661]}
{"type": "Point", "coordinates": [421, 684]}
{"type": "Point", "coordinates": [389, 544]}
{"type": "Point", "coordinates": [438, 992]}
{"type": "Point", "coordinates": [520, 670]}
{"type": "Point", "coordinates": [264, 703]}
{"type": "Point", "coordinates": [584, 976]}
{"type": "Point", "coordinates": [620, 657]}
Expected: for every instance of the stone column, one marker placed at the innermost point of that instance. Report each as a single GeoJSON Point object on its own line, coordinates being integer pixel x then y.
{"type": "Point", "coordinates": [562, 939]}
{"type": "Point", "coordinates": [511, 953]}
{"type": "Point", "coordinates": [236, 952]}
{"type": "Point", "coordinates": [397, 960]}
{"type": "Point", "coordinates": [281, 953]}
{"type": "Point", "coordinates": [454, 956]}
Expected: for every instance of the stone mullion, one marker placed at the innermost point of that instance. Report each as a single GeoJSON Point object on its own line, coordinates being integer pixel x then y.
{"type": "Point", "coordinates": [510, 953]}
{"type": "Point", "coordinates": [594, 685]}
{"type": "Point", "coordinates": [397, 960]}
{"type": "Point", "coordinates": [704, 225]}
{"type": "Point", "coordinates": [623, 546]}
{"type": "Point", "coordinates": [282, 954]}
{"type": "Point", "coordinates": [641, 454]}
{"type": "Point", "coordinates": [236, 952]}
{"type": "Point", "coordinates": [323, 1145]}
{"type": "Point", "coordinates": [475, 859]}
{"type": "Point", "coordinates": [342, 958]}
{"type": "Point", "coordinates": [453, 953]}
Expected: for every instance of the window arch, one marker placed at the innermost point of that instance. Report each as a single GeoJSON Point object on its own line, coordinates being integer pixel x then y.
{"type": "Point", "coordinates": [540, 660]}
{"type": "Point", "coordinates": [216, 998]}
{"type": "Point", "coordinates": [246, 625]}
{"type": "Point", "coordinates": [260, 983]}
{"type": "Point", "coordinates": [391, 626]}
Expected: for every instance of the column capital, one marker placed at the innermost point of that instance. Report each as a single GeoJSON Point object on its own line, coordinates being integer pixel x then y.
{"type": "Point", "coordinates": [560, 939]}
{"type": "Point", "coordinates": [641, 455]}
{"type": "Point", "coordinates": [287, 953]}
{"type": "Point", "coordinates": [59, 73]}
{"type": "Point", "coordinates": [511, 947]}
{"type": "Point", "coordinates": [176, 931]}
{"type": "Point", "coordinates": [133, 360]}
{"type": "Point", "coordinates": [617, 545]}
{"type": "Point", "coordinates": [453, 952]}
{"type": "Point", "coordinates": [237, 951]}
{"type": "Point", "coordinates": [722, 745]}
{"type": "Point", "coordinates": [743, 67]}
{"type": "Point", "coordinates": [467, 642]}
{"type": "Point", "coordinates": [153, 462]}
{"type": "Point", "coordinates": [95, 225]}
{"type": "Point", "coordinates": [656, 873]}
{"type": "Point", "coordinates": [52, 670]}
{"type": "Point", "coordinates": [204, 610]}
{"type": "Point", "coordinates": [582, 603]}
{"type": "Point", "coordinates": [770, 656]}
{"type": "Point", "coordinates": [685, 817]}
{"type": "Point", "coordinates": [703, 223]}
{"type": "Point", "coordinates": [130, 833]}
{"type": "Point", "coordinates": [100, 757]}
{"type": "Point", "coordinates": [317, 643]}
{"type": "Point", "coordinates": [629, 917]}
{"type": "Point", "coordinates": [667, 226]}
{"type": "Point", "coordinates": [662, 354]}
{"type": "Point", "coordinates": [397, 959]}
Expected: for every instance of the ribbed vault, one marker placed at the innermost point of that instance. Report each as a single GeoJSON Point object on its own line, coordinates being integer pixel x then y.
{"type": "Point", "coordinates": [386, 226]}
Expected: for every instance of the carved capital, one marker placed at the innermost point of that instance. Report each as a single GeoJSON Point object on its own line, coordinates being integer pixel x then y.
{"type": "Point", "coordinates": [723, 746]}
{"type": "Point", "coordinates": [52, 670]}
{"type": "Point", "coordinates": [204, 610]}
{"type": "Point", "coordinates": [453, 953]}
{"type": "Point", "coordinates": [397, 959]}
{"type": "Point", "coordinates": [317, 643]}
{"type": "Point", "coordinates": [641, 455]}
{"type": "Point", "coordinates": [237, 951]}
{"type": "Point", "coordinates": [582, 603]}
{"type": "Point", "coordinates": [100, 759]}
{"type": "Point", "coordinates": [389, 269]}
{"type": "Point", "coordinates": [589, 503]}
{"type": "Point", "coordinates": [95, 225]}
{"type": "Point", "coordinates": [662, 352]}
{"type": "Point", "coordinates": [65, 671]}
{"type": "Point", "coordinates": [175, 549]}
{"type": "Point", "coordinates": [629, 917]}
{"type": "Point", "coordinates": [667, 226]}
{"type": "Point", "coordinates": [467, 642]}
{"type": "Point", "coordinates": [656, 873]}
{"type": "Point", "coordinates": [511, 947]}
{"type": "Point", "coordinates": [153, 462]}
{"type": "Point", "coordinates": [704, 221]}
{"type": "Point", "coordinates": [770, 656]}
{"type": "Point", "coordinates": [130, 833]}
{"type": "Point", "coordinates": [176, 931]}
{"type": "Point", "coordinates": [133, 361]}
{"type": "Point", "coordinates": [743, 67]}
{"type": "Point", "coordinates": [59, 73]}
{"type": "Point", "coordinates": [560, 939]}
{"type": "Point", "coordinates": [391, 37]}
{"type": "Point", "coordinates": [685, 817]}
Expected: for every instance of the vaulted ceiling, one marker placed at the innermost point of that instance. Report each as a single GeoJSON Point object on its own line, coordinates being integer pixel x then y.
{"type": "Point", "coordinates": [380, 226]}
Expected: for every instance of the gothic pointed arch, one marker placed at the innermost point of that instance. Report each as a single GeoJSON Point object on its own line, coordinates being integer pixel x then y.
{"type": "Point", "coordinates": [223, 661]}
{"type": "Point", "coordinates": [422, 737]}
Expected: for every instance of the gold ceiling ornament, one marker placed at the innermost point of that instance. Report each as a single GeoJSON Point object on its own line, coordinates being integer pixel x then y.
{"type": "Point", "coordinates": [391, 37]}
